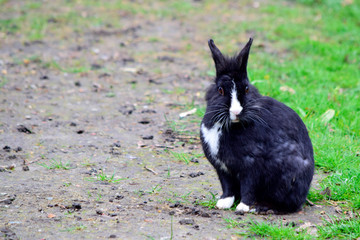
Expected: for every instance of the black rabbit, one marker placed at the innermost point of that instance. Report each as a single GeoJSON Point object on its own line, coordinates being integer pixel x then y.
{"type": "Point", "coordinates": [259, 147]}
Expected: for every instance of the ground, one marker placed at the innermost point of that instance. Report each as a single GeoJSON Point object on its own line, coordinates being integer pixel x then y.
{"type": "Point", "coordinates": [92, 145]}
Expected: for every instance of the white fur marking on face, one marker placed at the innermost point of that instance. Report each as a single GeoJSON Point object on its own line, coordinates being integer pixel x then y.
{"type": "Point", "coordinates": [242, 207]}
{"type": "Point", "coordinates": [211, 137]}
{"type": "Point", "coordinates": [225, 202]}
{"type": "Point", "coordinates": [235, 107]}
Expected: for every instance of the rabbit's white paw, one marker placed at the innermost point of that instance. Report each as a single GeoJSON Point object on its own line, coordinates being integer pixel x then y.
{"type": "Point", "coordinates": [225, 202]}
{"type": "Point", "coordinates": [243, 207]}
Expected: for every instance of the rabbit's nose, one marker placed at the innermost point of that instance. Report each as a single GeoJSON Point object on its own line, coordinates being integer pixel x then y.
{"type": "Point", "coordinates": [235, 111]}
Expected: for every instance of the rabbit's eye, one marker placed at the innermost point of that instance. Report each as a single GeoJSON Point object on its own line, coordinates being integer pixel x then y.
{"type": "Point", "coordinates": [246, 89]}
{"type": "Point", "coordinates": [221, 91]}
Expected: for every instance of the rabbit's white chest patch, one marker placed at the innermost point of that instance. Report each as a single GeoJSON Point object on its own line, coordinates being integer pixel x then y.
{"type": "Point", "coordinates": [211, 137]}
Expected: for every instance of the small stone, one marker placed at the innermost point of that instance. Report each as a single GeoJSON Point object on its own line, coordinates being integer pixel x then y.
{"type": "Point", "coordinates": [291, 224]}
{"type": "Point", "coordinates": [25, 168]}
{"type": "Point", "coordinates": [166, 58]}
{"type": "Point", "coordinates": [18, 149]}
{"type": "Point", "coordinates": [205, 215]}
{"type": "Point", "coordinates": [270, 211]}
{"type": "Point", "coordinates": [196, 227]}
{"type": "Point", "coordinates": [193, 175]}
{"type": "Point", "coordinates": [99, 212]}
{"type": "Point", "coordinates": [96, 66]}
{"type": "Point", "coordinates": [103, 75]}
{"type": "Point", "coordinates": [148, 137]}
{"type": "Point", "coordinates": [148, 111]}
{"type": "Point", "coordinates": [112, 236]}
{"type": "Point", "coordinates": [175, 205]}
{"type": "Point", "coordinates": [76, 206]}
{"type": "Point", "coordinates": [187, 221]}
{"type": "Point", "coordinates": [144, 121]}
{"type": "Point", "coordinates": [127, 109]}
{"type": "Point", "coordinates": [7, 149]}
{"type": "Point", "coordinates": [241, 212]}
{"type": "Point", "coordinates": [23, 129]}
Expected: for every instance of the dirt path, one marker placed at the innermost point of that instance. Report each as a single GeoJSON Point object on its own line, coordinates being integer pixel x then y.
{"type": "Point", "coordinates": [105, 105]}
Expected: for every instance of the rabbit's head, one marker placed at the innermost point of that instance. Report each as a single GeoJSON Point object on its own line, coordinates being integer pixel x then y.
{"type": "Point", "coordinates": [231, 93]}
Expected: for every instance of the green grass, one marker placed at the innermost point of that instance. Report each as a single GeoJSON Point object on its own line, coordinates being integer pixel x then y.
{"type": "Point", "coordinates": [87, 163]}
{"type": "Point", "coordinates": [157, 188]}
{"type": "Point", "coordinates": [75, 228]}
{"type": "Point", "coordinates": [209, 202]}
{"type": "Point", "coordinates": [340, 228]}
{"type": "Point", "coordinates": [101, 176]}
{"type": "Point", "coordinates": [3, 81]}
{"type": "Point", "coordinates": [56, 164]}
{"type": "Point", "coordinates": [37, 28]}
{"type": "Point", "coordinates": [77, 67]}
{"type": "Point", "coordinates": [335, 228]}
{"type": "Point", "coordinates": [276, 231]}
{"type": "Point", "coordinates": [267, 230]}
{"type": "Point", "coordinates": [182, 157]}
{"type": "Point", "coordinates": [176, 197]}
{"type": "Point", "coordinates": [344, 186]}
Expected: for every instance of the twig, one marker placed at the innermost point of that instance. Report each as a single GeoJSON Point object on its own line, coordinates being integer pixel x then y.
{"type": "Point", "coordinates": [150, 170]}
{"type": "Point", "coordinates": [310, 202]}
{"type": "Point", "coordinates": [6, 200]}
{"type": "Point", "coordinates": [35, 161]}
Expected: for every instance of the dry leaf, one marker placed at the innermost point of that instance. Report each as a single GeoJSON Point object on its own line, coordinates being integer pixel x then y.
{"type": "Point", "coordinates": [338, 209]}
{"type": "Point", "coordinates": [327, 116]}
{"type": "Point", "coordinates": [133, 70]}
{"type": "Point", "coordinates": [50, 215]}
{"type": "Point", "coordinates": [306, 225]}
{"type": "Point", "coordinates": [184, 114]}
{"type": "Point", "coordinates": [287, 89]}
{"type": "Point", "coordinates": [326, 192]}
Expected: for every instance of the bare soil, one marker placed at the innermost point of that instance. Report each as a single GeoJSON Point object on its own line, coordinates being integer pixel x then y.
{"type": "Point", "coordinates": [113, 119]}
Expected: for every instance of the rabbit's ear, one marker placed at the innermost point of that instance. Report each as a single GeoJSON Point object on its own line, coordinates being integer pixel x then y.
{"type": "Point", "coordinates": [243, 56]}
{"type": "Point", "coordinates": [217, 56]}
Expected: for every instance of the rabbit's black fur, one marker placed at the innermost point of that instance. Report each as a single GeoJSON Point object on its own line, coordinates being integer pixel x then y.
{"type": "Point", "coordinates": [260, 148]}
